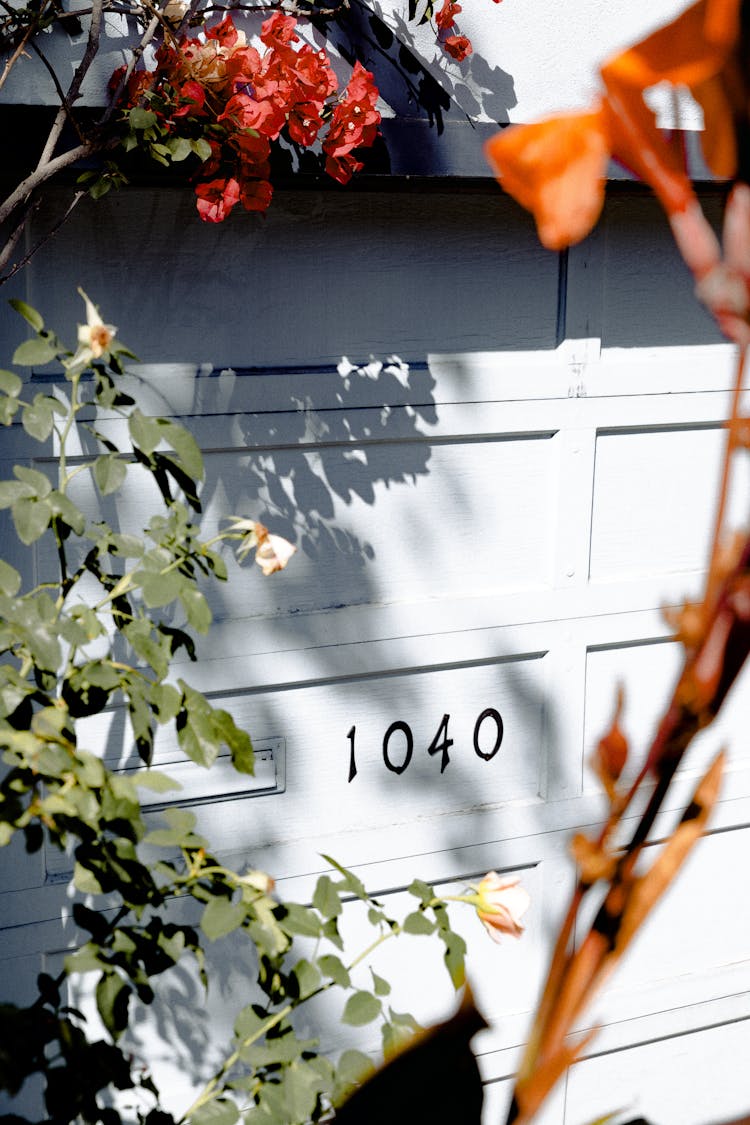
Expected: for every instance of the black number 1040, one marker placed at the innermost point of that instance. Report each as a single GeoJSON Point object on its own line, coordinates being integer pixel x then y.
{"type": "Point", "coordinates": [398, 742]}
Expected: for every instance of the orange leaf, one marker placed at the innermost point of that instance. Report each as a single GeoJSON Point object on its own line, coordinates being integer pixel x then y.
{"type": "Point", "coordinates": [646, 891]}
{"type": "Point", "coordinates": [555, 168]}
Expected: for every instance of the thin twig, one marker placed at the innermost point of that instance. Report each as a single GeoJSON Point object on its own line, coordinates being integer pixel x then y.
{"type": "Point", "coordinates": [13, 238]}
{"type": "Point", "coordinates": [16, 54]}
{"type": "Point", "coordinates": [58, 87]}
{"type": "Point", "coordinates": [19, 265]}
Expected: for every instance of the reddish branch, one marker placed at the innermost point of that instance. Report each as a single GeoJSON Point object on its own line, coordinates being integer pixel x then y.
{"type": "Point", "coordinates": [716, 648]}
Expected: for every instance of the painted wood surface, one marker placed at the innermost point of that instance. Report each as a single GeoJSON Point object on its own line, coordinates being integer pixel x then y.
{"type": "Point", "coordinates": [488, 525]}
{"type": "Point", "coordinates": [529, 60]}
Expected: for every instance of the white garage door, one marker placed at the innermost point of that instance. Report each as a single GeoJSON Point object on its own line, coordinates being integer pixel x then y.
{"type": "Point", "coordinates": [488, 527]}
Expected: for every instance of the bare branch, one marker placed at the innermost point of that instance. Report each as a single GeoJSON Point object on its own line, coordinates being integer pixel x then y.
{"type": "Point", "coordinates": [134, 57]}
{"type": "Point", "coordinates": [15, 235]}
{"type": "Point", "coordinates": [60, 92]}
{"type": "Point", "coordinates": [30, 30]}
{"type": "Point", "coordinates": [43, 173]}
{"type": "Point", "coordinates": [92, 47]}
{"type": "Point", "coordinates": [19, 265]}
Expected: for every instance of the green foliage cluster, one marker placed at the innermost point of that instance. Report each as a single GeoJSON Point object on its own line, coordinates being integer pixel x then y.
{"type": "Point", "coordinates": [68, 655]}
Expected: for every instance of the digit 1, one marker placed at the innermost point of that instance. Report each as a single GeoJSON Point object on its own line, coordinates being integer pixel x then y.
{"type": "Point", "coordinates": [437, 745]}
{"type": "Point", "coordinates": [352, 762]}
{"type": "Point", "coordinates": [488, 713]}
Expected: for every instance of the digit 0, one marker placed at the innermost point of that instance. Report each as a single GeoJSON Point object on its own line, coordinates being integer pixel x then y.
{"type": "Point", "coordinates": [406, 731]}
{"type": "Point", "coordinates": [488, 713]}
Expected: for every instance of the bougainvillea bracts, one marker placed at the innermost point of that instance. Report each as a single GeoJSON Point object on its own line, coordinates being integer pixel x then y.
{"type": "Point", "coordinates": [226, 102]}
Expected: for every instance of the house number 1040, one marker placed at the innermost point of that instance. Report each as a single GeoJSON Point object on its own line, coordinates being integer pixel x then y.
{"type": "Point", "coordinates": [398, 742]}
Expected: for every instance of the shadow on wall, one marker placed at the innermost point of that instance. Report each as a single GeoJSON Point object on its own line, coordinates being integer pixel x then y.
{"type": "Point", "coordinates": [436, 90]}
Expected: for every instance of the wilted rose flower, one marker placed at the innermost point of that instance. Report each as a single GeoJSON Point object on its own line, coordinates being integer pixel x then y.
{"type": "Point", "coordinates": [94, 337]}
{"type": "Point", "coordinates": [272, 552]}
{"type": "Point", "coordinates": [501, 902]}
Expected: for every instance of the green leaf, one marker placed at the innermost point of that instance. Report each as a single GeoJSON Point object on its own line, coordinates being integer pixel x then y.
{"type": "Point", "coordinates": [8, 410]}
{"type": "Point", "coordinates": [361, 1008]}
{"type": "Point", "coordinates": [85, 617]}
{"type": "Point", "coordinates": [37, 481]}
{"type": "Point", "coordinates": [302, 1083]}
{"type": "Point", "coordinates": [455, 950]}
{"type": "Point", "coordinates": [300, 920]}
{"type": "Point", "coordinates": [31, 517]}
{"type": "Point", "coordinates": [308, 977]}
{"type": "Point", "coordinates": [10, 383]}
{"type": "Point", "coordinates": [332, 967]}
{"type": "Point", "coordinates": [380, 986]}
{"type": "Point", "coordinates": [84, 960]}
{"type": "Point", "coordinates": [38, 418]}
{"type": "Point", "coordinates": [160, 589]}
{"type": "Point", "coordinates": [11, 490]}
{"type": "Point", "coordinates": [10, 579]}
{"type": "Point", "coordinates": [141, 118]}
{"type": "Point", "coordinates": [326, 898]}
{"type": "Point", "coordinates": [67, 512]}
{"type": "Point", "coordinates": [353, 1067]}
{"type": "Point", "coordinates": [185, 446]}
{"type": "Point", "coordinates": [154, 780]}
{"type": "Point", "coordinates": [247, 1023]}
{"type": "Point", "coordinates": [201, 148]}
{"type": "Point", "coordinates": [28, 313]}
{"type": "Point", "coordinates": [418, 923]}
{"type": "Point", "coordinates": [112, 997]}
{"type": "Point", "coordinates": [34, 353]}
{"type": "Point", "coordinates": [221, 1111]}
{"type": "Point", "coordinates": [180, 831]}
{"type": "Point", "coordinates": [422, 891]}
{"type": "Point", "coordinates": [144, 432]}
{"type": "Point", "coordinates": [237, 740]}
{"type": "Point", "coordinates": [351, 882]}
{"type": "Point", "coordinates": [165, 702]}
{"type": "Point", "coordinates": [85, 881]}
{"type": "Point", "coordinates": [398, 1032]}
{"type": "Point", "coordinates": [100, 187]}
{"type": "Point", "coordinates": [278, 1049]}
{"type": "Point", "coordinates": [179, 148]}
{"type": "Point", "coordinates": [221, 917]}
{"type": "Point", "coordinates": [196, 607]}
{"type": "Point", "coordinates": [109, 472]}
{"type": "Point", "coordinates": [196, 732]}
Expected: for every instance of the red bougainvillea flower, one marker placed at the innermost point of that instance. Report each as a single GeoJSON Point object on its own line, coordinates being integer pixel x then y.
{"type": "Point", "coordinates": [354, 124]}
{"type": "Point", "coordinates": [458, 47]}
{"type": "Point", "coordinates": [556, 168]}
{"type": "Point", "coordinates": [192, 97]}
{"type": "Point", "coordinates": [216, 199]}
{"type": "Point", "coordinates": [278, 30]}
{"type": "Point", "coordinates": [342, 168]}
{"type": "Point", "coordinates": [228, 102]}
{"type": "Point", "coordinates": [255, 195]}
{"type": "Point", "coordinates": [446, 17]}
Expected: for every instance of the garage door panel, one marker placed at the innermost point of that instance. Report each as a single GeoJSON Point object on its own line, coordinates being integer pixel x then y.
{"type": "Point", "coordinates": [696, 934]}
{"type": "Point", "coordinates": [691, 1079]}
{"type": "Point", "coordinates": [647, 671]}
{"type": "Point", "coordinates": [358, 750]}
{"type": "Point", "coordinates": [654, 493]}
